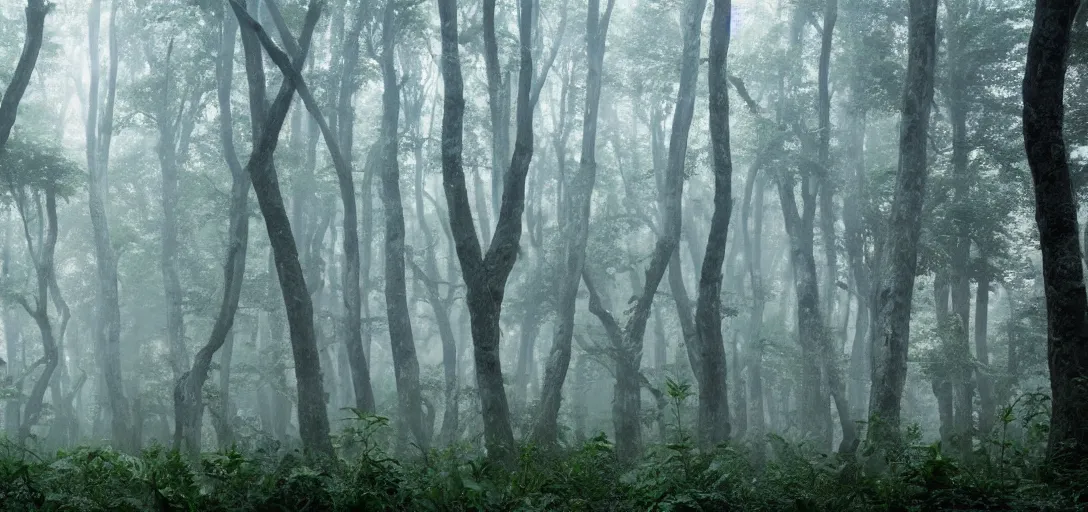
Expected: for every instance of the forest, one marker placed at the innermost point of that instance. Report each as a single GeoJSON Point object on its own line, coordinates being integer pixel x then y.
{"type": "Point", "coordinates": [789, 255]}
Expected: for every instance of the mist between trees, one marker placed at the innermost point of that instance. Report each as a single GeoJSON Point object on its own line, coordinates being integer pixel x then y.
{"type": "Point", "coordinates": [681, 224]}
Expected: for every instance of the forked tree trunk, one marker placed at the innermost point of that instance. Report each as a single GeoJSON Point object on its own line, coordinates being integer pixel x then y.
{"type": "Point", "coordinates": [485, 274]}
{"type": "Point", "coordinates": [188, 397]}
{"type": "Point", "coordinates": [357, 256]}
{"type": "Point", "coordinates": [576, 227]}
{"type": "Point", "coordinates": [44, 270]}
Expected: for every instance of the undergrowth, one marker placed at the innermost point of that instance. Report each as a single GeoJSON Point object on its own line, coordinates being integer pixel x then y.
{"type": "Point", "coordinates": [1002, 474]}
{"type": "Point", "coordinates": [673, 477]}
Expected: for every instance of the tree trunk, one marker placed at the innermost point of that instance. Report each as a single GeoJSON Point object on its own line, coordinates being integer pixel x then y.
{"type": "Point", "coordinates": [168, 124]}
{"type": "Point", "coordinates": [854, 240]}
{"type": "Point", "coordinates": [12, 338]}
{"type": "Point", "coordinates": [827, 183]}
{"type": "Point", "coordinates": [899, 251]}
{"type": "Point", "coordinates": [1056, 216]}
{"type": "Point", "coordinates": [354, 270]}
{"type": "Point", "coordinates": [685, 316]}
{"type": "Point", "coordinates": [43, 270]}
{"type": "Point", "coordinates": [713, 420]}
{"type": "Point", "coordinates": [987, 407]}
{"type": "Point", "coordinates": [627, 406]}
{"type": "Point", "coordinates": [189, 407]}
{"type": "Point", "coordinates": [405, 362]}
{"type": "Point", "coordinates": [312, 414]}
{"type": "Point", "coordinates": [36, 10]}
{"type": "Point", "coordinates": [108, 316]}
{"type": "Point", "coordinates": [815, 407]}
{"type": "Point", "coordinates": [498, 96]}
{"type": "Point", "coordinates": [485, 274]}
{"type": "Point", "coordinates": [579, 194]}
{"type": "Point", "coordinates": [754, 189]}
{"type": "Point", "coordinates": [531, 319]}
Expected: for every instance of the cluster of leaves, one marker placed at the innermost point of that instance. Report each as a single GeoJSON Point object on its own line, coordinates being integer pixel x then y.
{"type": "Point", "coordinates": [671, 477]}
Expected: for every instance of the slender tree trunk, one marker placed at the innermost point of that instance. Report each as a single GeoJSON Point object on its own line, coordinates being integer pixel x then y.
{"type": "Point", "coordinates": [189, 407]}
{"type": "Point", "coordinates": [815, 408]}
{"type": "Point", "coordinates": [713, 424]}
{"type": "Point", "coordinates": [754, 191]}
{"type": "Point", "coordinates": [899, 250]}
{"type": "Point", "coordinates": [627, 404]}
{"type": "Point", "coordinates": [498, 95]}
{"type": "Point", "coordinates": [685, 315]}
{"type": "Point", "coordinates": [312, 413]}
{"type": "Point", "coordinates": [108, 311]}
{"type": "Point", "coordinates": [354, 269]}
{"type": "Point", "coordinates": [854, 240]}
{"type": "Point", "coordinates": [827, 185]}
{"type": "Point", "coordinates": [168, 124]}
{"type": "Point", "coordinates": [12, 339]}
{"type": "Point", "coordinates": [405, 362]}
{"type": "Point", "coordinates": [576, 226]}
{"type": "Point", "coordinates": [36, 10]}
{"type": "Point", "coordinates": [1056, 216]}
{"type": "Point", "coordinates": [987, 407]}
{"type": "Point", "coordinates": [43, 270]}
{"type": "Point", "coordinates": [485, 274]}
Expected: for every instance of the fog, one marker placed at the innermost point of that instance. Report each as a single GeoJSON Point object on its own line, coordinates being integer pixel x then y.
{"type": "Point", "coordinates": [264, 224]}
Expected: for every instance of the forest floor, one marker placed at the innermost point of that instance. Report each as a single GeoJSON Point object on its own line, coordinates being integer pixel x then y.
{"type": "Point", "coordinates": [672, 477]}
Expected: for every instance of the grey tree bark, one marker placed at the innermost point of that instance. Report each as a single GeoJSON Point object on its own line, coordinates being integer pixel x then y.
{"type": "Point", "coordinates": [312, 413]}
{"type": "Point", "coordinates": [99, 132]}
{"type": "Point", "coordinates": [898, 252]}
{"type": "Point", "coordinates": [174, 119]}
{"type": "Point", "coordinates": [498, 96]}
{"type": "Point", "coordinates": [986, 405]}
{"type": "Point", "coordinates": [188, 397]}
{"type": "Point", "coordinates": [627, 404]}
{"type": "Point", "coordinates": [1056, 216]}
{"type": "Point", "coordinates": [580, 196]}
{"type": "Point", "coordinates": [405, 363]}
{"type": "Point", "coordinates": [827, 185]}
{"type": "Point", "coordinates": [713, 396]}
{"type": "Point", "coordinates": [485, 274]}
{"type": "Point", "coordinates": [355, 272]}
{"type": "Point", "coordinates": [44, 270]}
{"type": "Point", "coordinates": [36, 10]}
{"type": "Point", "coordinates": [755, 185]}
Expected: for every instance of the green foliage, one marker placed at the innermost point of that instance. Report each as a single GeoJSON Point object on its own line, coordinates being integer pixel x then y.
{"type": "Point", "coordinates": [33, 165]}
{"type": "Point", "coordinates": [587, 477]}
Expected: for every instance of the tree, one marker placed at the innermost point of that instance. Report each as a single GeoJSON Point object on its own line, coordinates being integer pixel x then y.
{"type": "Point", "coordinates": [36, 10]}
{"type": "Point", "coordinates": [188, 394]}
{"type": "Point", "coordinates": [713, 396]}
{"type": "Point", "coordinates": [41, 173]}
{"type": "Point", "coordinates": [353, 266]}
{"type": "Point", "coordinates": [898, 251]}
{"type": "Point", "coordinates": [405, 363]}
{"type": "Point", "coordinates": [485, 274]}
{"type": "Point", "coordinates": [108, 309]}
{"type": "Point", "coordinates": [576, 229]}
{"type": "Point", "coordinates": [1056, 217]}
{"type": "Point", "coordinates": [627, 403]}
{"type": "Point", "coordinates": [175, 117]}
{"type": "Point", "coordinates": [313, 417]}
